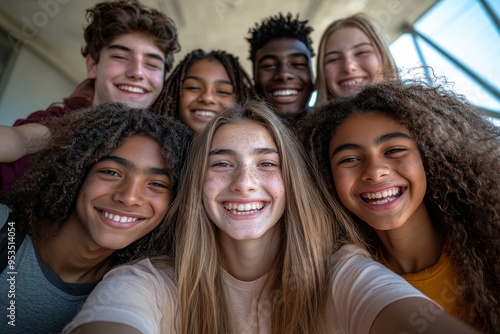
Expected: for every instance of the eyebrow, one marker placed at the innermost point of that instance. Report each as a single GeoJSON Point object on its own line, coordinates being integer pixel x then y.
{"type": "Point", "coordinates": [197, 78]}
{"type": "Point", "coordinates": [353, 47]}
{"type": "Point", "coordinates": [291, 55]}
{"type": "Point", "coordinates": [132, 167]}
{"type": "Point", "coordinates": [224, 151]}
{"type": "Point", "coordinates": [377, 141]}
{"type": "Point", "coordinates": [127, 49]}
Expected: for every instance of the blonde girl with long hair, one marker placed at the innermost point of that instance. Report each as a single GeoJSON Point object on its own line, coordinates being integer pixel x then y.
{"type": "Point", "coordinates": [258, 249]}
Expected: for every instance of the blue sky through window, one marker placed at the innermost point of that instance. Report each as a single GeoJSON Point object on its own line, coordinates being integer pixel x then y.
{"type": "Point", "coordinates": [463, 29]}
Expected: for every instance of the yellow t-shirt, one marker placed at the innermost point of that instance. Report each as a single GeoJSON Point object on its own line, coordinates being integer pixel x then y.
{"type": "Point", "coordinates": [436, 282]}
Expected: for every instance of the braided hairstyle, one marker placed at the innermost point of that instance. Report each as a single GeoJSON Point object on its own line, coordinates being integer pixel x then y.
{"type": "Point", "coordinates": [168, 102]}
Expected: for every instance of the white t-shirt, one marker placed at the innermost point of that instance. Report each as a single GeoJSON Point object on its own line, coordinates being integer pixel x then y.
{"type": "Point", "coordinates": [144, 297]}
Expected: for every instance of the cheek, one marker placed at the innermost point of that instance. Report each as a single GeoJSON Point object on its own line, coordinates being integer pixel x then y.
{"type": "Point", "coordinates": [330, 75]}
{"type": "Point", "coordinates": [373, 64]}
{"type": "Point", "coordinates": [342, 185]}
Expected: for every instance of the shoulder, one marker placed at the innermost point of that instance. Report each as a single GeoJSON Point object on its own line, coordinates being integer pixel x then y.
{"type": "Point", "coordinates": [360, 288]}
{"type": "Point", "coordinates": [137, 295]}
{"type": "Point", "coordinates": [4, 214]}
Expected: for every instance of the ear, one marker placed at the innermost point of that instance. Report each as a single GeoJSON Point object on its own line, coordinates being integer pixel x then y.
{"type": "Point", "coordinates": [91, 67]}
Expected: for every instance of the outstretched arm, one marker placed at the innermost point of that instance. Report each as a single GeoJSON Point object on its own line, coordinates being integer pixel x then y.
{"type": "Point", "coordinates": [22, 140]}
{"type": "Point", "coordinates": [417, 315]}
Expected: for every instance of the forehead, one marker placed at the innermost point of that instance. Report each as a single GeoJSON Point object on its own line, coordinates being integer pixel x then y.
{"type": "Point", "coordinates": [137, 147]}
{"type": "Point", "coordinates": [137, 42]}
{"type": "Point", "coordinates": [282, 47]}
{"type": "Point", "coordinates": [367, 125]}
{"type": "Point", "coordinates": [207, 68]}
{"type": "Point", "coordinates": [242, 135]}
{"type": "Point", "coordinates": [346, 37]}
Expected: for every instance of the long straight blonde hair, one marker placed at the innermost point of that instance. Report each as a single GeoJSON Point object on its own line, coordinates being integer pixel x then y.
{"type": "Point", "coordinates": [376, 35]}
{"type": "Point", "coordinates": [310, 231]}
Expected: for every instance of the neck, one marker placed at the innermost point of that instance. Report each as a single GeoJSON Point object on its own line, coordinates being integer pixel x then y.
{"type": "Point", "coordinates": [70, 255]}
{"type": "Point", "coordinates": [249, 260]}
{"type": "Point", "coordinates": [412, 247]}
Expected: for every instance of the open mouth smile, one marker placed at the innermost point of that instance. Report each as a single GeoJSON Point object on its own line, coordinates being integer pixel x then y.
{"type": "Point", "coordinates": [382, 197]}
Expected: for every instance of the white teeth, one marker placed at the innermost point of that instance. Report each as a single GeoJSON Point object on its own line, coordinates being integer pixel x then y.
{"type": "Point", "coordinates": [132, 89]}
{"type": "Point", "coordinates": [388, 195]}
{"type": "Point", "coordinates": [205, 113]}
{"type": "Point", "coordinates": [285, 92]}
{"type": "Point", "coordinates": [119, 219]}
{"type": "Point", "coordinates": [243, 209]}
{"type": "Point", "coordinates": [352, 82]}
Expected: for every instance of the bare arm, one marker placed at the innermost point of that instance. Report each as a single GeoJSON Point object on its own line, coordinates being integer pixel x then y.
{"type": "Point", "coordinates": [22, 140]}
{"type": "Point", "coordinates": [417, 315]}
{"type": "Point", "coordinates": [105, 328]}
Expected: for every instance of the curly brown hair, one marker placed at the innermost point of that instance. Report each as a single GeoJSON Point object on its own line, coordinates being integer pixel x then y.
{"type": "Point", "coordinates": [169, 100]}
{"type": "Point", "coordinates": [49, 189]}
{"type": "Point", "coordinates": [279, 26]}
{"type": "Point", "coordinates": [111, 19]}
{"type": "Point", "coordinates": [460, 150]}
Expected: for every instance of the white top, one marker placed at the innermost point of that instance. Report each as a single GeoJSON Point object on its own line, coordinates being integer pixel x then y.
{"type": "Point", "coordinates": [144, 297]}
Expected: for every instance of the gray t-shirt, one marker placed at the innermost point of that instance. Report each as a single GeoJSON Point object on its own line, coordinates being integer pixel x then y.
{"type": "Point", "coordinates": [34, 299]}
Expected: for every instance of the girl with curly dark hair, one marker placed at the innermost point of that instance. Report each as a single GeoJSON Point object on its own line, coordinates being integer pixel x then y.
{"type": "Point", "coordinates": [418, 168]}
{"type": "Point", "coordinates": [202, 85]}
{"type": "Point", "coordinates": [93, 198]}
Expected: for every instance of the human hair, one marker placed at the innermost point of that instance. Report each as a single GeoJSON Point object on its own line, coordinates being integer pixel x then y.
{"type": "Point", "coordinates": [309, 230]}
{"type": "Point", "coordinates": [374, 33]}
{"type": "Point", "coordinates": [49, 189]}
{"type": "Point", "coordinates": [460, 152]}
{"type": "Point", "coordinates": [110, 19]}
{"type": "Point", "coordinates": [279, 26]}
{"type": "Point", "coordinates": [168, 102]}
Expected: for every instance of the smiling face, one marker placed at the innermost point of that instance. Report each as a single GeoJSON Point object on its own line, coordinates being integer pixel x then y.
{"type": "Point", "coordinates": [206, 90]}
{"type": "Point", "coordinates": [244, 195]}
{"type": "Point", "coordinates": [130, 70]}
{"type": "Point", "coordinates": [351, 61]}
{"type": "Point", "coordinates": [378, 171]}
{"type": "Point", "coordinates": [283, 76]}
{"type": "Point", "coordinates": [125, 195]}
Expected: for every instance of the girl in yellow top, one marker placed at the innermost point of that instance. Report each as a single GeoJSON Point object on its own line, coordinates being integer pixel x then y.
{"type": "Point", "coordinates": [418, 168]}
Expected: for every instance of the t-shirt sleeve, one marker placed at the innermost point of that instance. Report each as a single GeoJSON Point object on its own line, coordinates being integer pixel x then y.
{"type": "Point", "coordinates": [135, 295]}
{"type": "Point", "coordinates": [362, 287]}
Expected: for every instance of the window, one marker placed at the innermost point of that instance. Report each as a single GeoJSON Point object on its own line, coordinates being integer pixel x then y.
{"type": "Point", "coordinates": [460, 40]}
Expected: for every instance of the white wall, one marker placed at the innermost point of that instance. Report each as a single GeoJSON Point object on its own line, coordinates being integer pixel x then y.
{"type": "Point", "coordinates": [32, 85]}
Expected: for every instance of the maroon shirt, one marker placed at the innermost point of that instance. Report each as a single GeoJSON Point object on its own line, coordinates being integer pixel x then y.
{"type": "Point", "coordinates": [11, 172]}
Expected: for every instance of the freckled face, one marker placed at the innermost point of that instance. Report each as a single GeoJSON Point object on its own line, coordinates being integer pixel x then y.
{"type": "Point", "coordinates": [351, 61]}
{"type": "Point", "coordinates": [124, 196]}
{"type": "Point", "coordinates": [244, 195]}
{"type": "Point", "coordinates": [378, 170]}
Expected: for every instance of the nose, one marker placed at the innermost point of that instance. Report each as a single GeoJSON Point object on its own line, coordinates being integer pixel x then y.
{"type": "Point", "coordinates": [244, 180]}
{"type": "Point", "coordinates": [135, 69]}
{"type": "Point", "coordinates": [350, 65]}
{"type": "Point", "coordinates": [375, 170]}
{"type": "Point", "coordinates": [206, 96]}
{"type": "Point", "coordinates": [129, 193]}
{"type": "Point", "coordinates": [283, 73]}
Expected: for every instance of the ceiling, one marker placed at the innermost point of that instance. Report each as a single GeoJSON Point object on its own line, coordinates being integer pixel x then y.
{"type": "Point", "coordinates": [53, 29]}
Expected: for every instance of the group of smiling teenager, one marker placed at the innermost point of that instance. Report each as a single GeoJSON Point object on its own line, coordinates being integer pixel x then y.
{"type": "Point", "coordinates": [249, 238]}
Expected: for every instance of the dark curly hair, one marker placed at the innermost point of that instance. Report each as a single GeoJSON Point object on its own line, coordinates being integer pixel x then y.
{"type": "Point", "coordinates": [111, 19]}
{"type": "Point", "coordinates": [49, 189]}
{"type": "Point", "coordinates": [169, 100]}
{"type": "Point", "coordinates": [279, 26]}
{"type": "Point", "coordinates": [460, 151]}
